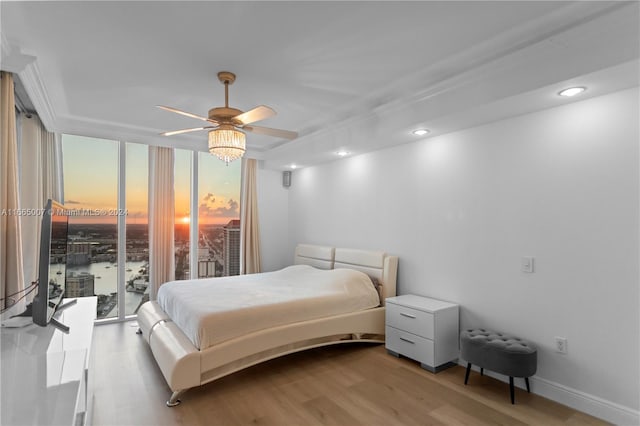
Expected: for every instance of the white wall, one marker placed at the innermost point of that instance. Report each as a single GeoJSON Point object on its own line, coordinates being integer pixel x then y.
{"type": "Point", "coordinates": [460, 211]}
{"type": "Point", "coordinates": [273, 207]}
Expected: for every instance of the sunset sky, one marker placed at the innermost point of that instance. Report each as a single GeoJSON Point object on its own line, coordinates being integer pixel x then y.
{"type": "Point", "coordinates": [91, 182]}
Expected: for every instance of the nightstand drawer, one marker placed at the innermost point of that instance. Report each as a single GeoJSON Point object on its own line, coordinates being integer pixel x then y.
{"type": "Point", "coordinates": [410, 320]}
{"type": "Point", "coordinates": [410, 345]}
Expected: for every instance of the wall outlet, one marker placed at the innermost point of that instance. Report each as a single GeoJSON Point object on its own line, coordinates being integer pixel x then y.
{"type": "Point", "coordinates": [561, 344]}
{"type": "Point", "coordinates": [527, 264]}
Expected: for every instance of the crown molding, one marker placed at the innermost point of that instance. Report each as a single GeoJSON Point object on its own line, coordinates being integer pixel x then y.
{"type": "Point", "coordinates": [26, 68]}
{"type": "Point", "coordinates": [12, 59]}
{"type": "Point", "coordinates": [35, 88]}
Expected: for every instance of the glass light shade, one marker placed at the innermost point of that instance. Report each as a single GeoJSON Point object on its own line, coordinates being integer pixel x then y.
{"type": "Point", "coordinates": [227, 143]}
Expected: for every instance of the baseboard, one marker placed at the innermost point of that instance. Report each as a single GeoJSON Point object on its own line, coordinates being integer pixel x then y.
{"type": "Point", "coordinates": [590, 404]}
{"type": "Point", "coordinates": [578, 400]}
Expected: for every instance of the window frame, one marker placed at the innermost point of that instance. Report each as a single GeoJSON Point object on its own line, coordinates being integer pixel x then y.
{"type": "Point", "coordinates": [122, 223]}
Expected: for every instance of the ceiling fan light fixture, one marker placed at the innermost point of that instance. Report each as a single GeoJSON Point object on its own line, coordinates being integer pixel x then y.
{"type": "Point", "coordinates": [226, 140]}
{"type": "Point", "coordinates": [227, 143]}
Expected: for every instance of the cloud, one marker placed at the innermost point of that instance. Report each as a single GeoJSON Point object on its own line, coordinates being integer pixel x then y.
{"type": "Point", "coordinates": [212, 207]}
{"type": "Point", "coordinates": [72, 202]}
{"type": "Point", "coordinates": [232, 210]}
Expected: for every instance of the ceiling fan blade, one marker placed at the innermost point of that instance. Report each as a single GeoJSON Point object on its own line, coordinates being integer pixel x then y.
{"type": "Point", "coordinates": [194, 129]}
{"type": "Point", "coordinates": [188, 114]}
{"type": "Point", "coordinates": [257, 114]}
{"type": "Point", "coordinates": [286, 134]}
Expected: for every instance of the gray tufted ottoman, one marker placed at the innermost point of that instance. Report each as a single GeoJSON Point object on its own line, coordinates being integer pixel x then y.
{"type": "Point", "coordinates": [499, 352]}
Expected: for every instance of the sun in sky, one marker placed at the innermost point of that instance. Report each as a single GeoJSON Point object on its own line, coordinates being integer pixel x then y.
{"type": "Point", "coordinates": [184, 219]}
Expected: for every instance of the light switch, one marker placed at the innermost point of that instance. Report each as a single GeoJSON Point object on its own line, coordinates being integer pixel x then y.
{"type": "Point", "coordinates": [527, 264]}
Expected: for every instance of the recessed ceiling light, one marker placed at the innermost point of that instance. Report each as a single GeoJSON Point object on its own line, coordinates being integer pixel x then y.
{"type": "Point", "coordinates": [343, 153]}
{"type": "Point", "coordinates": [293, 166]}
{"type": "Point", "coordinates": [572, 91]}
{"type": "Point", "coordinates": [420, 132]}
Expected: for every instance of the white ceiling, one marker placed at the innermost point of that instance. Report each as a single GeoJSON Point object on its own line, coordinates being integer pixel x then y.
{"type": "Point", "coordinates": [346, 75]}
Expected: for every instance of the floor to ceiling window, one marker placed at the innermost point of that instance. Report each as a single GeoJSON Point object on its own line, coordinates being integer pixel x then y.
{"type": "Point", "coordinates": [218, 217]}
{"type": "Point", "coordinates": [182, 188]}
{"type": "Point", "coordinates": [137, 241]}
{"type": "Point", "coordinates": [91, 192]}
{"type": "Point", "coordinates": [106, 188]}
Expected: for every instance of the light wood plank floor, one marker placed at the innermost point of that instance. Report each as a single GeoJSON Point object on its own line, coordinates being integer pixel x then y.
{"type": "Point", "coordinates": [341, 385]}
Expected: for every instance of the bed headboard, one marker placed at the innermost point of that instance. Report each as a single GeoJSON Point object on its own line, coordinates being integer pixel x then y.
{"type": "Point", "coordinates": [317, 256]}
{"type": "Point", "coordinates": [380, 266]}
{"type": "Point", "coordinates": [377, 264]}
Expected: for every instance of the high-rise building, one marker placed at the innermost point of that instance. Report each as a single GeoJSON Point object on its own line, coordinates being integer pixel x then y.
{"type": "Point", "coordinates": [206, 268]}
{"type": "Point", "coordinates": [79, 285]}
{"type": "Point", "coordinates": [83, 247]}
{"type": "Point", "coordinates": [203, 253]}
{"type": "Point", "coordinates": [78, 253]}
{"type": "Point", "coordinates": [231, 248]}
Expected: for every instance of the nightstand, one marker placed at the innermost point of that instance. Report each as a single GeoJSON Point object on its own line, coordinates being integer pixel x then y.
{"type": "Point", "coordinates": [423, 329]}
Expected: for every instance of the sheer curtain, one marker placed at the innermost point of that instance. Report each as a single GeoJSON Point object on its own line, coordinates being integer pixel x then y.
{"type": "Point", "coordinates": [40, 179]}
{"type": "Point", "coordinates": [12, 285]}
{"type": "Point", "coordinates": [52, 172]}
{"type": "Point", "coordinates": [249, 230]}
{"type": "Point", "coordinates": [161, 218]}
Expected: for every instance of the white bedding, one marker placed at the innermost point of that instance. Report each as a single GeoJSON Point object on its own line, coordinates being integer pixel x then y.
{"type": "Point", "coordinates": [213, 310]}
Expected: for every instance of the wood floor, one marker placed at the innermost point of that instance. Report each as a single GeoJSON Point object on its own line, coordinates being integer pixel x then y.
{"type": "Point", "coordinates": [340, 385]}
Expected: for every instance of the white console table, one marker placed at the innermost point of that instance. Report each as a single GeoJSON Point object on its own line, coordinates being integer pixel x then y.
{"type": "Point", "coordinates": [46, 374]}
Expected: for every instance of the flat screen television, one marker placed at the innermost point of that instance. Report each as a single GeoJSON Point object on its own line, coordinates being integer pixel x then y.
{"type": "Point", "coordinates": [51, 266]}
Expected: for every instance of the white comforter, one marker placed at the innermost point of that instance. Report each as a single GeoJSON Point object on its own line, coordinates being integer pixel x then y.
{"type": "Point", "coordinates": [213, 310]}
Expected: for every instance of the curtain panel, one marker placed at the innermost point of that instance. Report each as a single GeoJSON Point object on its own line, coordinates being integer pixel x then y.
{"type": "Point", "coordinates": [250, 261]}
{"type": "Point", "coordinates": [52, 171]}
{"type": "Point", "coordinates": [161, 218]}
{"type": "Point", "coordinates": [31, 191]}
{"type": "Point", "coordinates": [40, 179]}
{"type": "Point", "coordinates": [12, 284]}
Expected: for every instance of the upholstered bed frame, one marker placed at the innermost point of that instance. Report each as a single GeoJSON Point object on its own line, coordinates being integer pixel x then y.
{"type": "Point", "coordinates": [184, 366]}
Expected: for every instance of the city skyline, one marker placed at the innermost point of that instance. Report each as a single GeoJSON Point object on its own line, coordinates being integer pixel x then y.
{"type": "Point", "coordinates": [91, 261]}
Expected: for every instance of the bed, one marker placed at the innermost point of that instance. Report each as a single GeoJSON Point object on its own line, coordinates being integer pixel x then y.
{"type": "Point", "coordinates": [190, 357]}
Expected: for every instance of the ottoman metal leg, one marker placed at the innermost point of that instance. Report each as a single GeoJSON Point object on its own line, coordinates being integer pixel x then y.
{"type": "Point", "coordinates": [481, 371]}
{"type": "Point", "coordinates": [466, 376]}
{"type": "Point", "coordinates": [511, 390]}
{"type": "Point", "coordinates": [526, 380]}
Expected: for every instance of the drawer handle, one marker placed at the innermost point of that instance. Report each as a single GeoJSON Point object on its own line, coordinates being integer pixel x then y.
{"type": "Point", "coordinates": [407, 340]}
{"type": "Point", "coordinates": [408, 315]}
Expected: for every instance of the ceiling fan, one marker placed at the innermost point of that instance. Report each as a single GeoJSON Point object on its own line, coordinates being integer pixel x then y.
{"type": "Point", "coordinates": [226, 124]}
